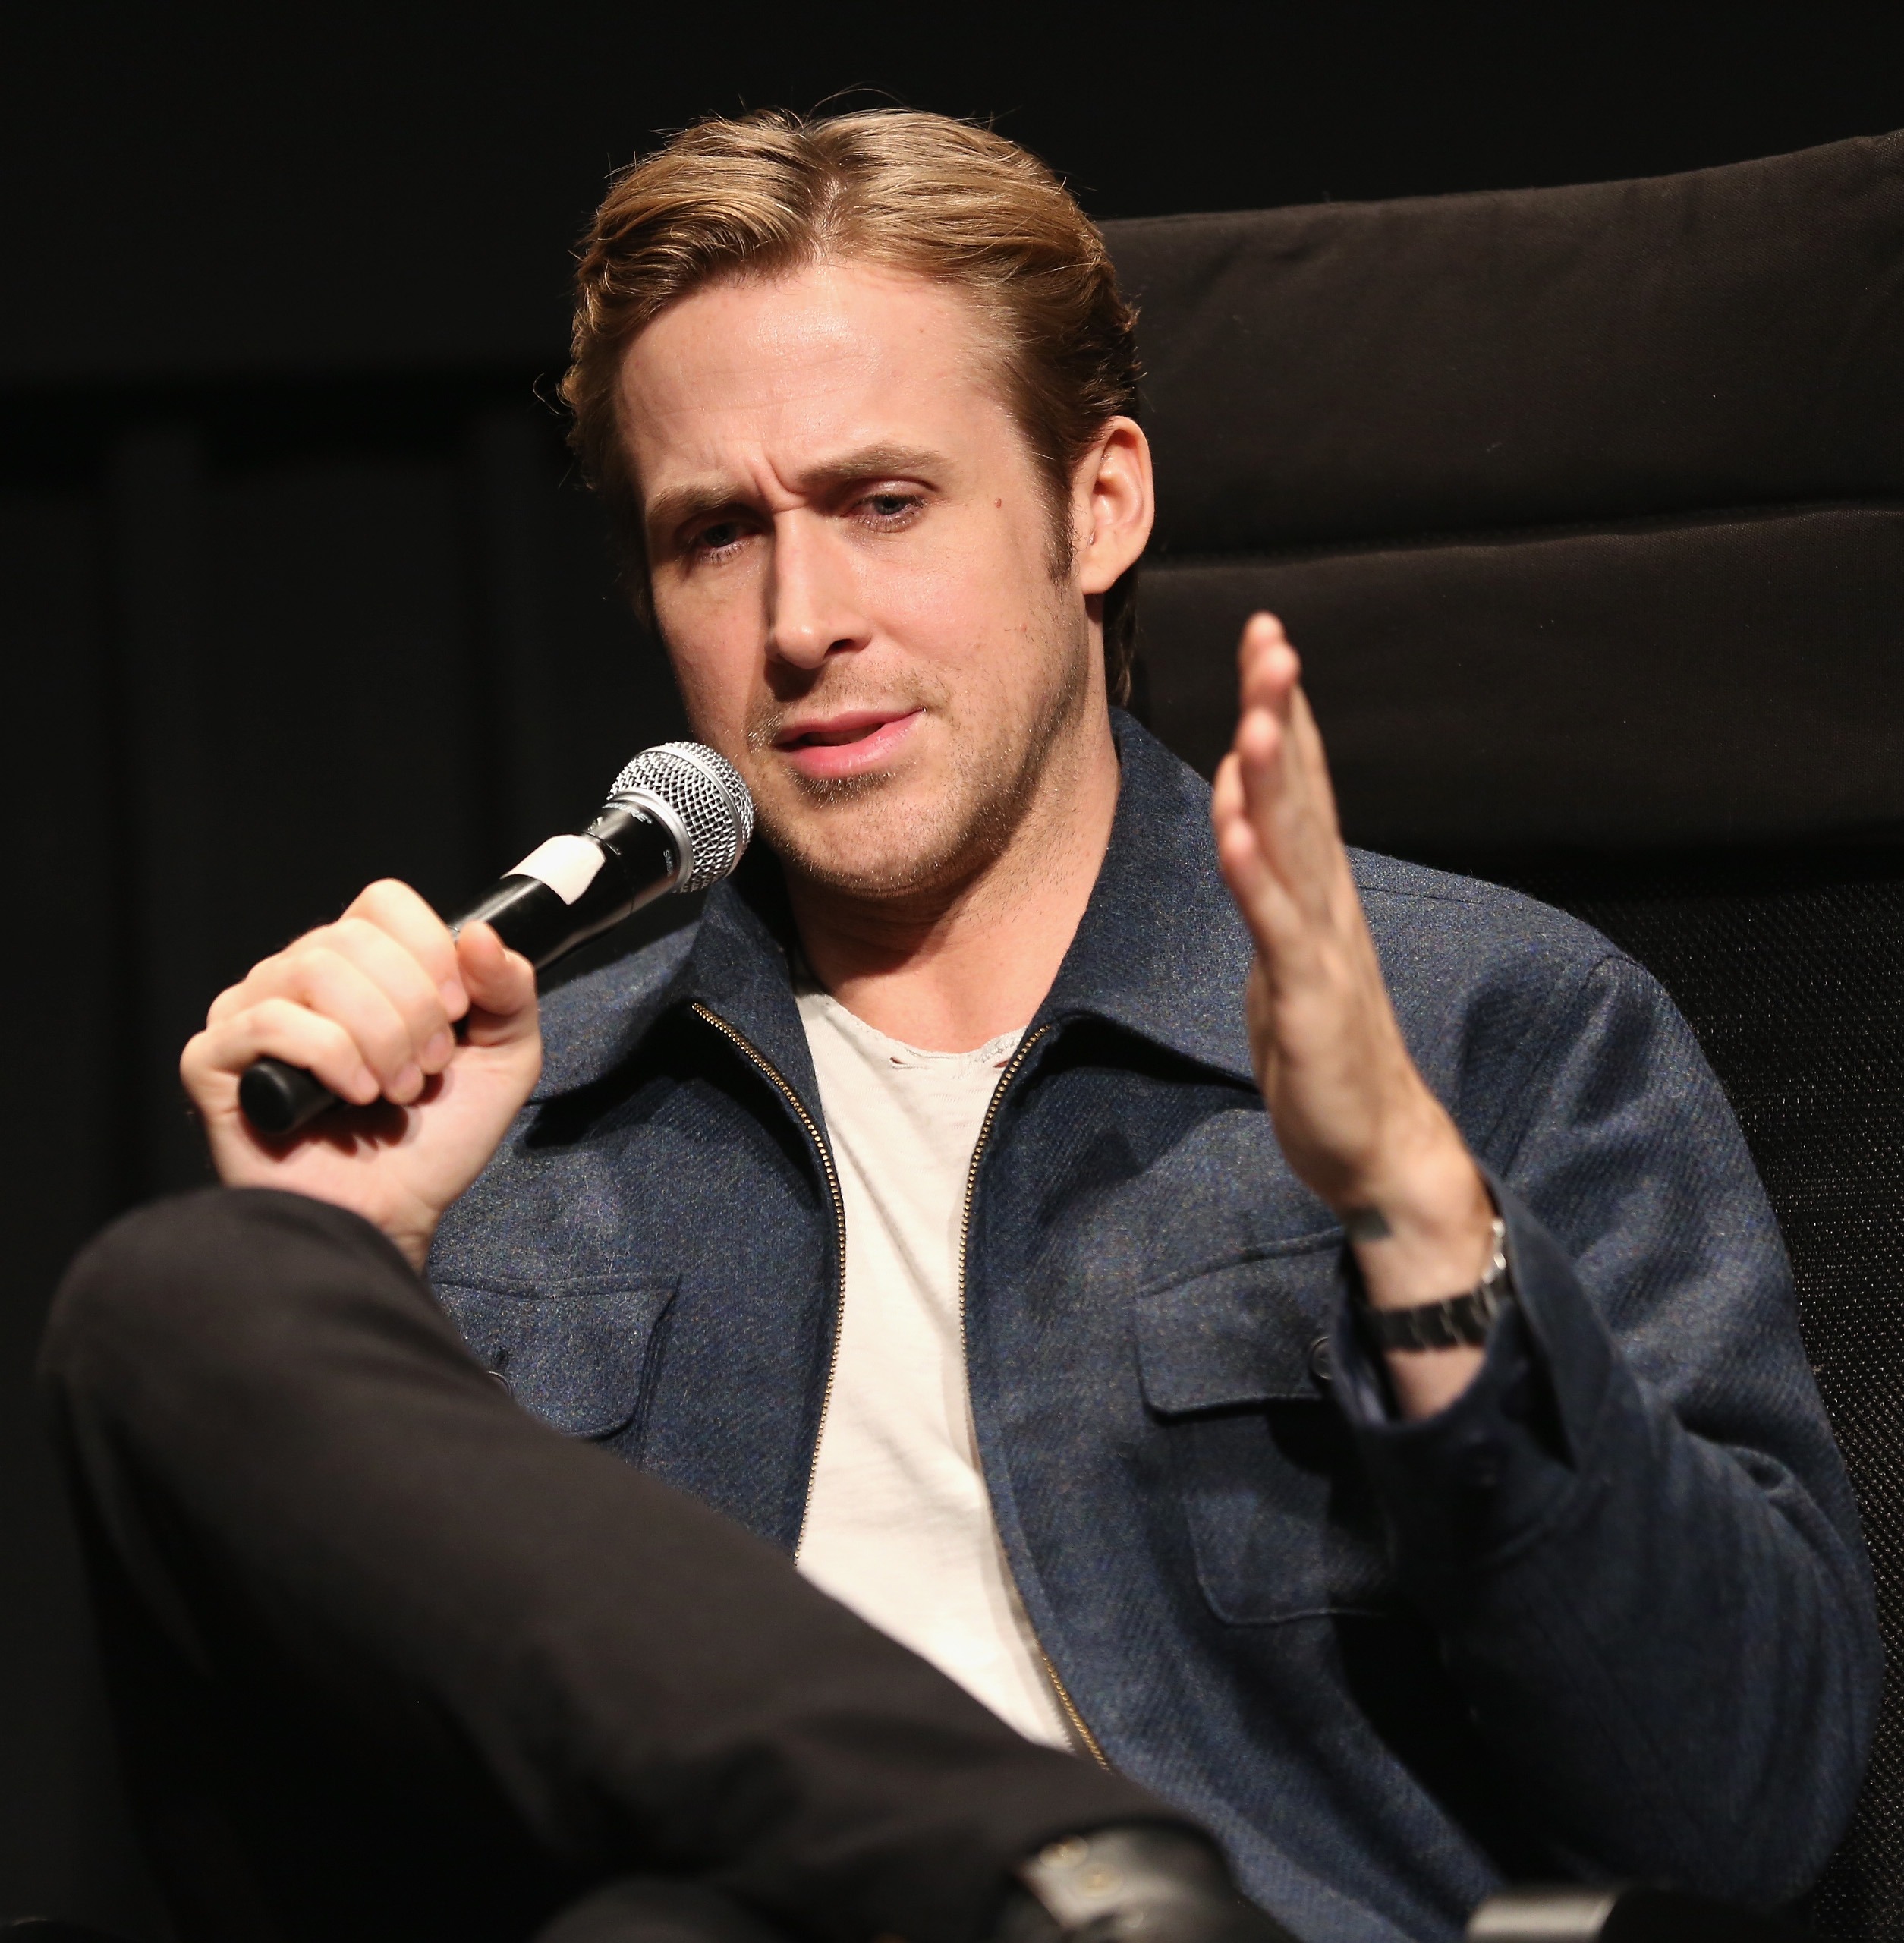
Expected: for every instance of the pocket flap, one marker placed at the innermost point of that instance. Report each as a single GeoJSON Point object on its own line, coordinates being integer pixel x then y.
{"type": "Point", "coordinates": [1250, 1332]}
{"type": "Point", "coordinates": [572, 1353]}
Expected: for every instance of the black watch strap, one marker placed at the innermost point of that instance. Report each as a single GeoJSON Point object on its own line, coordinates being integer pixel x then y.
{"type": "Point", "coordinates": [1461, 1320]}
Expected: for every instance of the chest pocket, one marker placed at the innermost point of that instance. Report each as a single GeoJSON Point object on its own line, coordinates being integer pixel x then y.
{"type": "Point", "coordinates": [1234, 1364]}
{"type": "Point", "coordinates": [577, 1354]}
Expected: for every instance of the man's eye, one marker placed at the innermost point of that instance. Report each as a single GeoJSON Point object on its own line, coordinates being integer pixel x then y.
{"type": "Point", "coordinates": [717, 538]}
{"type": "Point", "coordinates": [890, 509]}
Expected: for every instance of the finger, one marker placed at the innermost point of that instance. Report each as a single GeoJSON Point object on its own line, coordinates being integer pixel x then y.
{"type": "Point", "coordinates": [215, 1058]}
{"type": "Point", "coordinates": [404, 981]}
{"type": "Point", "coordinates": [1269, 795]}
{"type": "Point", "coordinates": [264, 980]}
{"type": "Point", "coordinates": [325, 980]}
{"type": "Point", "coordinates": [1268, 667]}
{"type": "Point", "coordinates": [394, 907]}
{"type": "Point", "coordinates": [1226, 793]}
{"type": "Point", "coordinates": [502, 986]}
{"type": "Point", "coordinates": [1227, 811]}
{"type": "Point", "coordinates": [1256, 780]}
{"type": "Point", "coordinates": [1271, 680]}
{"type": "Point", "coordinates": [1270, 672]}
{"type": "Point", "coordinates": [1305, 736]}
{"type": "Point", "coordinates": [1297, 889]}
{"type": "Point", "coordinates": [1330, 862]}
{"type": "Point", "coordinates": [1273, 798]}
{"type": "Point", "coordinates": [1287, 797]}
{"type": "Point", "coordinates": [1271, 914]}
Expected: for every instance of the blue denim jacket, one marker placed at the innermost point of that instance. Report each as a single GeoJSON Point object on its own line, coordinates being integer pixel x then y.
{"type": "Point", "coordinates": [1609, 1614]}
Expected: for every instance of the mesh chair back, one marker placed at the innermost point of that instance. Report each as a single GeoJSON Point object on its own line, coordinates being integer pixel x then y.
{"type": "Point", "coordinates": [1586, 509]}
{"type": "Point", "coordinates": [1787, 966]}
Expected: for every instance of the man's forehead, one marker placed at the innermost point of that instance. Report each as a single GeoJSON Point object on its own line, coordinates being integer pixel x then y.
{"type": "Point", "coordinates": [813, 367]}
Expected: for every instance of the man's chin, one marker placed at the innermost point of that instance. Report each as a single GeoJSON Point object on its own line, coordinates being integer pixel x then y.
{"type": "Point", "coordinates": [824, 791]}
{"type": "Point", "coordinates": [862, 839]}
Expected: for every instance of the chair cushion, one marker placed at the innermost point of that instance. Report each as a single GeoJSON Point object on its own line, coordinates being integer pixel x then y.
{"type": "Point", "coordinates": [1544, 482]}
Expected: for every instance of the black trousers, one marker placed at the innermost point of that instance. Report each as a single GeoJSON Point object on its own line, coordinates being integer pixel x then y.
{"type": "Point", "coordinates": [392, 1659]}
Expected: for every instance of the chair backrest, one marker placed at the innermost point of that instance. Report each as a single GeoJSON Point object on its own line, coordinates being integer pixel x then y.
{"type": "Point", "coordinates": [1586, 508]}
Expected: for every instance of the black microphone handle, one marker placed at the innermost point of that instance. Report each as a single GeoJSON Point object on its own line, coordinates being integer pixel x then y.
{"type": "Point", "coordinates": [640, 861]}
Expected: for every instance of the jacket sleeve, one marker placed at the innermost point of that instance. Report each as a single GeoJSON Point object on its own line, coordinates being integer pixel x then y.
{"type": "Point", "coordinates": [1633, 1532]}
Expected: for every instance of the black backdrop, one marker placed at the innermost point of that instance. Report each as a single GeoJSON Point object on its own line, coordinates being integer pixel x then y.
{"type": "Point", "coordinates": [295, 588]}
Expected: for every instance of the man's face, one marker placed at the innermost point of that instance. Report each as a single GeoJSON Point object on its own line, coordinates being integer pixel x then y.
{"type": "Point", "coordinates": [852, 564]}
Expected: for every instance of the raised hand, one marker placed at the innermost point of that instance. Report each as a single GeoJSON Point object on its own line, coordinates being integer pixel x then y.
{"type": "Point", "coordinates": [370, 1005]}
{"type": "Point", "coordinates": [1355, 1118]}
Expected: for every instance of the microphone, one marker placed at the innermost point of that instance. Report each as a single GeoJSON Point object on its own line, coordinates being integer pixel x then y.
{"type": "Point", "coordinates": [677, 818]}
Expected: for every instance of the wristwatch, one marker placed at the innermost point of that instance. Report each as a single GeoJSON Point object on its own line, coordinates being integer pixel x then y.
{"type": "Point", "coordinates": [1444, 1325]}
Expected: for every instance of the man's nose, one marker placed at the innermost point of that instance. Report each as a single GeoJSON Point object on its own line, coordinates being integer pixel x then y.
{"type": "Point", "coordinates": [812, 607]}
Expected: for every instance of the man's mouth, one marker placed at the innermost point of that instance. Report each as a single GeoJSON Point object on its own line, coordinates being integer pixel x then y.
{"type": "Point", "coordinates": [848, 743]}
{"type": "Point", "coordinates": [854, 726]}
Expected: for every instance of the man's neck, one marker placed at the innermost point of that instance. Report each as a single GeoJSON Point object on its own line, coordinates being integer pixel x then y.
{"type": "Point", "coordinates": [948, 971]}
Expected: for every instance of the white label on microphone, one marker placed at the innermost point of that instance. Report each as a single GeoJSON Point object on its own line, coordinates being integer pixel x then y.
{"type": "Point", "coordinates": [567, 865]}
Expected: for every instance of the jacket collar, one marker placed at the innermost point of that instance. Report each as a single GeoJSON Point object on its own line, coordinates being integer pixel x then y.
{"type": "Point", "coordinates": [1161, 952]}
{"type": "Point", "coordinates": [740, 969]}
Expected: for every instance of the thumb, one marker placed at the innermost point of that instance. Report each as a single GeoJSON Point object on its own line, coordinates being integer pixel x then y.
{"type": "Point", "coordinates": [500, 983]}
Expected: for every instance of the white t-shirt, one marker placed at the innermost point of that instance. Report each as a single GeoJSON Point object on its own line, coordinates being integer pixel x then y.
{"type": "Point", "coordinates": [899, 1524]}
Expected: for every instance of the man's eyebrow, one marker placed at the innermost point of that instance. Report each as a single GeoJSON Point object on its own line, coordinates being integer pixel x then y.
{"type": "Point", "coordinates": [668, 512]}
{"type": "Point", "coordinates": [874, 462]}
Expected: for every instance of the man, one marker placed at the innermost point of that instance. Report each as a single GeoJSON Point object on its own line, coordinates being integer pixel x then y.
{"type": "Point", "coordinates": [1300, 1330]}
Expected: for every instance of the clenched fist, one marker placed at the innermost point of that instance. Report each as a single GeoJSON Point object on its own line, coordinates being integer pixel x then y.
{"type": "Point", "coordinates": [371, 1005]}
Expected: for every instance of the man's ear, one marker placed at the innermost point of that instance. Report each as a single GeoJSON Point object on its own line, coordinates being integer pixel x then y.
{"type": "Point", "coordinates": [1113, 506]}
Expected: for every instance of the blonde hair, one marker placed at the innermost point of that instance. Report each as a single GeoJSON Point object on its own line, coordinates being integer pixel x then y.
{"type": "Point", "coordinates": [769, 192]}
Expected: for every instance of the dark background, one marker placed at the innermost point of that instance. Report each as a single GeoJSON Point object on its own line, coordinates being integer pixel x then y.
{"type": "Point", "coordinates": [295, 589]}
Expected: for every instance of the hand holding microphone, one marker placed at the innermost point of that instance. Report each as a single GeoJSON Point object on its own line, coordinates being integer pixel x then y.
{"type": "Point", "coordinates": [434, 1026]}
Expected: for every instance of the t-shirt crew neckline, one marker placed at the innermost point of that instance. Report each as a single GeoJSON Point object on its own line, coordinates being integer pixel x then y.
{"type": "Point", "coordinates": [897, 1053]}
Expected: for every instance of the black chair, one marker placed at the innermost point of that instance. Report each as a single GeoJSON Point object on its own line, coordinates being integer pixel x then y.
{"type": "Point", "coordinates": [1586, 508]}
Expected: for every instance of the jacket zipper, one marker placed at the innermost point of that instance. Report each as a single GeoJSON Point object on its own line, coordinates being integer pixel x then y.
{"type": "Point", "coordinates": [818, 1139]}
{"type": "Point", "coordinates": [1085, 1738]}
{"type": "Point", "coordinates": [1076, 1721]}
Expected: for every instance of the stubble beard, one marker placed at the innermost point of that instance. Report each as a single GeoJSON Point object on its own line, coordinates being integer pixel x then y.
{"type": "Point", "coordinates": [899, 847]}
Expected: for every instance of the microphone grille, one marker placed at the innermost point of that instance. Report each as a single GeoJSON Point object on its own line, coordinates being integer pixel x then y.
{"type": "Point", "coordinates": [706, 793]}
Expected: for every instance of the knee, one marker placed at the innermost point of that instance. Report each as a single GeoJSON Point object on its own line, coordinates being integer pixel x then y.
{"type": "Point", "coordinates": [189, 1286]}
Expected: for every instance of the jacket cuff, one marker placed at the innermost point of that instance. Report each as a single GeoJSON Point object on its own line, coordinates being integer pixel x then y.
{"type": "Point", "coordinates": [1498, 1462]}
